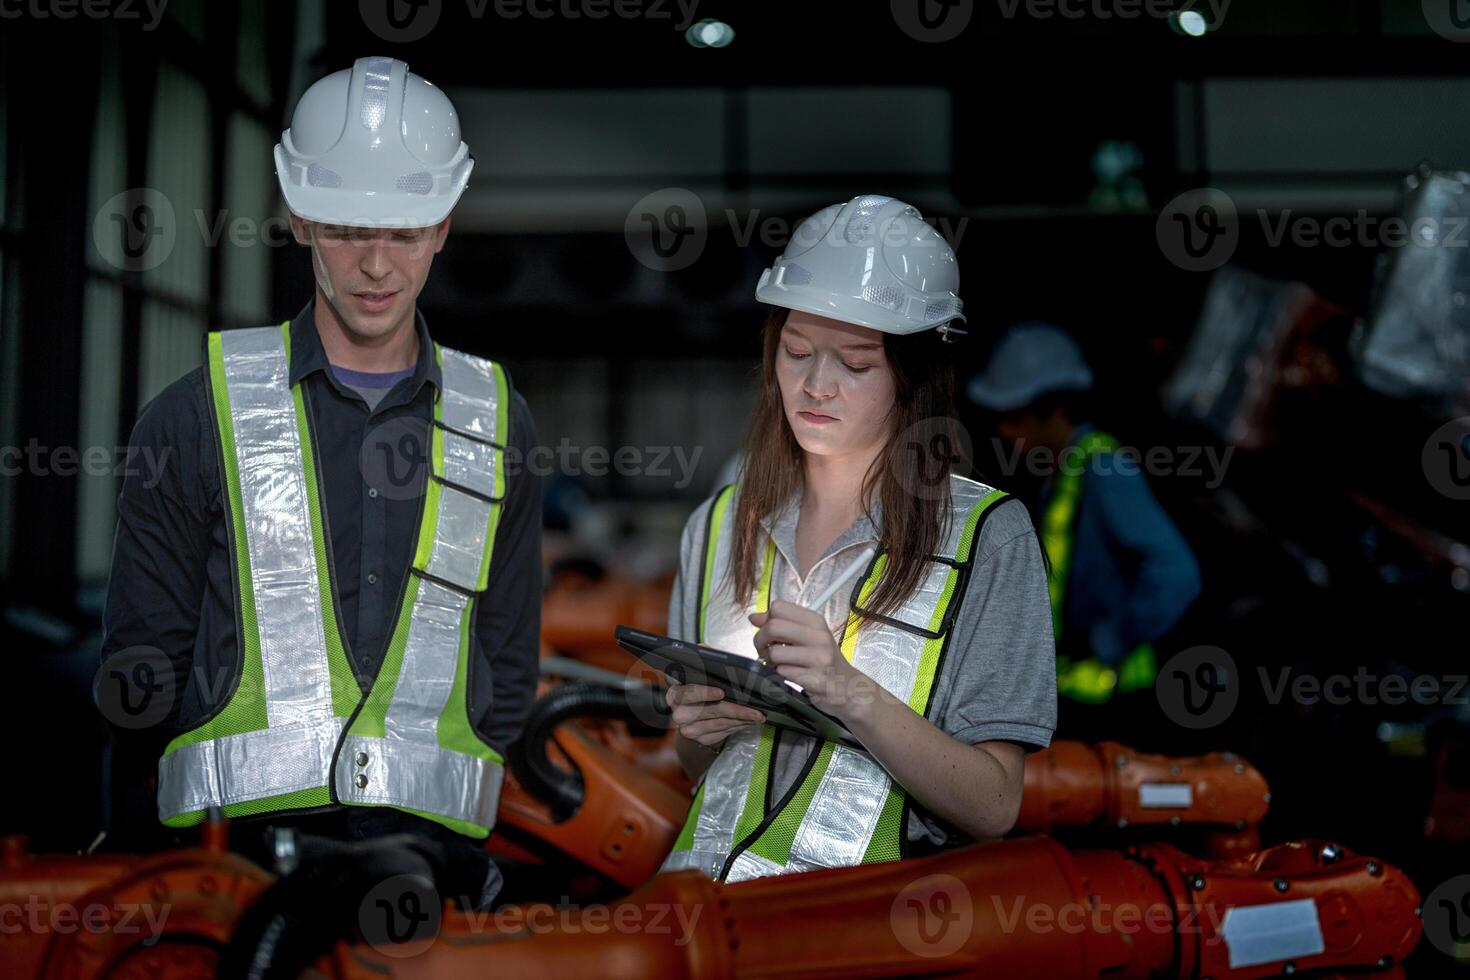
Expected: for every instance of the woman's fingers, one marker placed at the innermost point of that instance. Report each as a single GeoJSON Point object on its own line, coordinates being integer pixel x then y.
{"type": "Point", "coordinates": [686, 713]}
{"type": "Point", "coordinates": [781, 609]}
{"type": "Point", "coordinates": [692, 694]}
{"type": "Point", "coordinates": [785, 631]}
{"type": "Point", "coordinates": [710, 730]}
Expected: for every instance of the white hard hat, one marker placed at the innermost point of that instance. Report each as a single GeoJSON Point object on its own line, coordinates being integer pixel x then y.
{"type": "Point", "coordinates": [873, 261]}
{"type": "Point", "coordinates": [374, 146]}
{"type": "Point", "coordinates": [1029, 360]}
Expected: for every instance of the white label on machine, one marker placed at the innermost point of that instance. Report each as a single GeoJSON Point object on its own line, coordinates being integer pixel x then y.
{"type": "Point", "coordinates": [1257, 934]}
{"type": "Point", "coordinates": [1155, 795]}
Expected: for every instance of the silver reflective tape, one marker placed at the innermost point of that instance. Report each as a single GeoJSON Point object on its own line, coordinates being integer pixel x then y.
{"type": "Point", "coordinates": [430, 657]}
{"type": "Point", "coordinates": [1257, 934]}
{"type": "Point", "coordinates": [849, 798]}
{"type": "Point", "coordinates": [748, 865]}
{"type": "Point", "coordinates": [725, 785]}
{"type": "Point", "coordinates": [277, 520]}
{"type": "Point", "coordinates": [843, 814]}
{"type": "Point", "coordinates": [469, 400]}
{"type": "Point", "coordinates": [377, 75]}
{"type": "Point", "coordinates": [470, 464]}
{"type": "Point", "coordinates": [419, 776]}
{"type": "Point", "coordinates": [1165, 795]}
{"type": "Point", "coordinates": [250, 766]}
{"type": "Point", "coordinates": [459, 538]}
{"type": "Point", "coordinates": [683, 860]}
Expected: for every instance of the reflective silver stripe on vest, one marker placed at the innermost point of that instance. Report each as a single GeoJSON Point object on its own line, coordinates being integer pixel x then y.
{"type": "Point", "coordinates": [250, 766]}
{"type": "Point", "coordinates": [421, 777]}
{"type": "Point", "coordinates": [293, 653]}
{"type": "Point", "coordinates": [406, 767]}
{"type": "Point", "coordinates": [848, 802]}
{"type": "Point", "coordinates": [725, 785]}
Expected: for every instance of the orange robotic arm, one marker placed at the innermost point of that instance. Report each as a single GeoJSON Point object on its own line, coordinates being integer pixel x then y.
{"type": "Point", "coordinates": [1018, 908]}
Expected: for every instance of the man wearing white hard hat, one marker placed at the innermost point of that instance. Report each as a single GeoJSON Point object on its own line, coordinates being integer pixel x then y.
{"type": "Point", "coordinates": [1121, 573]}
{"type": "Point", "coordinates": [338, 564]}
{"type": "Point", "coordinates": [938, 657]}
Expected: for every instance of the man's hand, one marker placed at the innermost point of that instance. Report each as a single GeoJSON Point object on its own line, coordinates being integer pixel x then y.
{"type": "Point", "coordinates": [701, 714]}
{"type": "Point", "coordinates": [797, 642]}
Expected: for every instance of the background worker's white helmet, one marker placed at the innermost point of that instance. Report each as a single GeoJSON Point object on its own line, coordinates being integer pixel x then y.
{"type": "Point", "coordinates": [1030, 360]}
{"type": "Point", "coordinates": [873, 261]}
{"type": "Point", "coordinates": [374, 146]}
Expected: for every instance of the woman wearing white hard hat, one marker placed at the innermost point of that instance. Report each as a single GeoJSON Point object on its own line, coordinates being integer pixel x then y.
{"type": "Point", "coordinates": [938, 658]}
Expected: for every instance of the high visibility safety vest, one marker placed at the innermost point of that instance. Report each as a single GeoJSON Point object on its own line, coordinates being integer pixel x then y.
{"type": "Point", "coordinates": [1087, 679]}
{"type": "Point", "coordinates": [843, 809]}
{"type": "Point", "coordinates": [297, 732]}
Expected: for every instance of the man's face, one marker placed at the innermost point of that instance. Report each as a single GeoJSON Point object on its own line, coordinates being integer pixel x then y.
{"type": "Point", "coordinates": [371, 276]}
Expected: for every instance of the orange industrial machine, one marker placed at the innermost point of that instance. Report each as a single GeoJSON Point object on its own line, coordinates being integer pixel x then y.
{"type": "Point", "coordinates": [1073, 785]}
{"type": "Point", "coordinates": [1016, 909]}
{"type": "Point", "coordinates": [118, 916]}
{"type": "Point", "coordinates": [585, 785]}
{"type": "Point", "coordinates": [575, 800]}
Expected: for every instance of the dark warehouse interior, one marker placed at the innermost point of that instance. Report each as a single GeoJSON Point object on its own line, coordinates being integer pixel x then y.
{"type": "Point", "coordinates": [1251, 219]}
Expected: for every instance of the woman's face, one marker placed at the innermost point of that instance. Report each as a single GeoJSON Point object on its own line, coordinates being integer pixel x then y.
{"type": "Point", "coordinates": [836, 384]}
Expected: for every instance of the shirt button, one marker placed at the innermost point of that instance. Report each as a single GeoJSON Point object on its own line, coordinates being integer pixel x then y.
{"type": "Point", "coordinates": [372, 578]}
{"type": "Point", "coordinates": [373, 492]}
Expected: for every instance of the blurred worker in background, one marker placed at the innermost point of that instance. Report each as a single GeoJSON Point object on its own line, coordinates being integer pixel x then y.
{"type": "Point", "coordinates": [339, 571]}
{"type": "Point", "coordinates": [938, 658]}
{"type": "Point", "coordinates": [1121, 573]}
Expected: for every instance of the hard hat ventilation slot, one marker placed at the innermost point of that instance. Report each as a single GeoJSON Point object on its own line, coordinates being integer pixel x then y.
{"type": "Point", "coordinates": [860, 224]}
{"type": "Point", "coordinates": [419, 183]}
{"type": "Point", "coordinates": [796, 275]}
{"type": "Point", "coordinates": [319, 176]}
{"type": "Point", "coordinates": [886, 296]}
{"type": "Point", "coordinates": [376, 75]}
{"type": "Point", "coordinates": [942, 309]}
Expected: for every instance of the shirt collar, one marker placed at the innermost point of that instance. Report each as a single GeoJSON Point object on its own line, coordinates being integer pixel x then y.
{"type": "Point", "coordinates": [781, 526]}
{"type": "Point", "coordinates": [308, 355]}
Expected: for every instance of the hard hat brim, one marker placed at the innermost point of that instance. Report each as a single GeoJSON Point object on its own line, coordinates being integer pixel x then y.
{"type": "Point", "coordinates": [848, 309]}
{"type": "Point", "coordinates": [996, 399]}
{"type": "Point", "coordinates": [367, 209]}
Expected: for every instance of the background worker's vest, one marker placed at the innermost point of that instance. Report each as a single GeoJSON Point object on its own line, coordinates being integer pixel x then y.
{"type": "Point", "coordinates": [297, 732]}
{"type": "Point", "coordinates": [1084, 679]}
{"type": "Point", "coordinates": [843, 809]}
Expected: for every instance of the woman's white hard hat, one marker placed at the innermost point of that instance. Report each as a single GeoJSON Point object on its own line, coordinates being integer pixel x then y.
{"type": "Point", "coordinates": [373, 146]}
{"type": "Point", "coordinates": [873, 261]}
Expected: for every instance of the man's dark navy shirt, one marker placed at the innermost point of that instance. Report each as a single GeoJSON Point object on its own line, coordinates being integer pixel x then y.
{"type": "Point", "coordinates": [171, 585]}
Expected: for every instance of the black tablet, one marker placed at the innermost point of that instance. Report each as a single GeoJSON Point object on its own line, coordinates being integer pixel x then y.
{"type": "Point", "coordinates": [743, 679]}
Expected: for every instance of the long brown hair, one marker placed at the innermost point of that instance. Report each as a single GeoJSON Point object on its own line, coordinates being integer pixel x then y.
{"type": "Point", "coordinates": [915, 505]}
